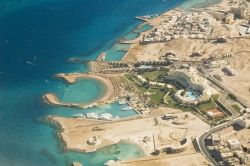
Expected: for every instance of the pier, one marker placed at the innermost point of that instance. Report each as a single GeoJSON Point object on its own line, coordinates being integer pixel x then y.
{"type": "Point", "coordinates": [141, 18]}
{"type": "Point", "coordinates": [101, 57]}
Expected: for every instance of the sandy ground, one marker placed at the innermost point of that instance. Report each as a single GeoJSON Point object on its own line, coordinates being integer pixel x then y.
{"type": "Point", "coordinates": [76, 132]}
{"type": "Point", "coordinates": [164, 110]}
{"type": "Point", "coordinates": [155, 130]}
{"type": "Point", "coordinates": [185, 47]}
{"type": "Point", "coordinates": [240, 84]}
{"type": "Point", "coordinates": [240, 62]}
{"type": "Point", "coordinates": [72, 78]}
{"type": "Point", "coordinates": [242, 135]}
{"type": "Point", "coordinates": [195, 159]}
{"type": "Point", "coordinates": [52, 99]}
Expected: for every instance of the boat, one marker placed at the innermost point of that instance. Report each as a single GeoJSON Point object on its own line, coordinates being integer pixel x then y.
{"type": "Point", "coordinates": [46, 81]}
{"type": "Point", "coordinates": [30, 63]}
{"type": "Point", "coordinates": [92, 115]}
{"type": "Point", "coordinates": [147, 17]}
{"type": "Point", "coordinates": [121, 102]}
{"type": "Point", "coordinates": [127, 108]}
{"type": "Point", "coordinates": [79, 116]}
{"type": "Point", "coordinates": [110, 162]}
{"type": "Point", "coordinates": [106, 116]}
{"type": "Point", "coordinates": [101, 57]}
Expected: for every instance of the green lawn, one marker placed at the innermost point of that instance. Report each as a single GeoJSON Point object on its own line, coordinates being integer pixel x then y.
{"type": "Point", "coordinates": [132, 78]}
{"type": "Point", "coordinates": [170, 102]}
{"type": "Point", "coordinates": [236, 107]}
{"type": "Point", "coordinates": [157, 95]}
{"type": "Point", "coordinates": [206, 106]}
{"type": "Point", "coordinates": [153, 75]}
{"type": "Point", "coordinates": [157, 98]}
{"type": "Point", "coordinates": [215, 97]}
{"type": "Point", "coordinates": [129, 76]}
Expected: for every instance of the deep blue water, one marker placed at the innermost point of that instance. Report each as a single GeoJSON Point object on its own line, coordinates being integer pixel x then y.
{"type": "Point", "coordinates": [36, 37]}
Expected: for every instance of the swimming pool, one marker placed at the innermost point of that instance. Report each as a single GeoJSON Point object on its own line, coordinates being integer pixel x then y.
{"type": "Point", "coordinates": [193, 94]}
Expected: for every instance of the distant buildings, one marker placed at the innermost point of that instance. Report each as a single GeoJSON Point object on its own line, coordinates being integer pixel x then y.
{"type": "Point", "coordinates": [142, 79]}
{"type": "Point", "coordinates": [171, 56]}
{"type": "Point", "coordinates": [188, 25]}
{"type": "Point", "coordinates": [218, 15]}
{"type": "Point", "coordinates": [215, 64]}
{"type": "Point", "coordinates": [234, 144]}
{"type": "Point", "coordinates": [240, 11]}
{"type": "Point", "coordinates": [229, 18]}
{"type": "Point", "coordinates": [215, 138]}
{"type": "Point", "coordinates": [229, 70]}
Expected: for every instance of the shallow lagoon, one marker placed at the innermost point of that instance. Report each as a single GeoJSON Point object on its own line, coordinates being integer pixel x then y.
{"type": "Point", "coordinates": [83, 91]}
{"type": "Point", "coordinates": [114, 55]}
{"type": "Point", "coordinates": [131, 36]}
{"type": "Point", "coordinates": [143, 28]}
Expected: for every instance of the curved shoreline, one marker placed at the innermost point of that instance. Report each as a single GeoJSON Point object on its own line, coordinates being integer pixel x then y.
{"type": "Point", "coordinates": [72, 78]}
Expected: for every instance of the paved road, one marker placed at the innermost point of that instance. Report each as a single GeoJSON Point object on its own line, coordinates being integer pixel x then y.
{"type": "Point", "coordinates": [203, 137]}
{"type": "Point", "coordinates": [233, 118]}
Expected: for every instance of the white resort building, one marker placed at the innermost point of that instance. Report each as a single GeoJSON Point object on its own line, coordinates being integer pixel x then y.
{"type": "Point", "coordinates": [193, 88]}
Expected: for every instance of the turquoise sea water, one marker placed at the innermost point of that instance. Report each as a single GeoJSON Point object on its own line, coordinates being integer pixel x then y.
{"type": "Point", "coordinates": [143, 28]}
{"type": "Point", "coordinates": [131, 36]}
{"type": "Point", "coordinates": [83, 91]}
{"type": "Point", "coordinates": [114, 55]}
{"type": "Point", "coordinates": [121, 47]}
{"type": "Point", "coordinates": [197, 3]}
{"type": "Point", "coordinates": [46, 33]}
